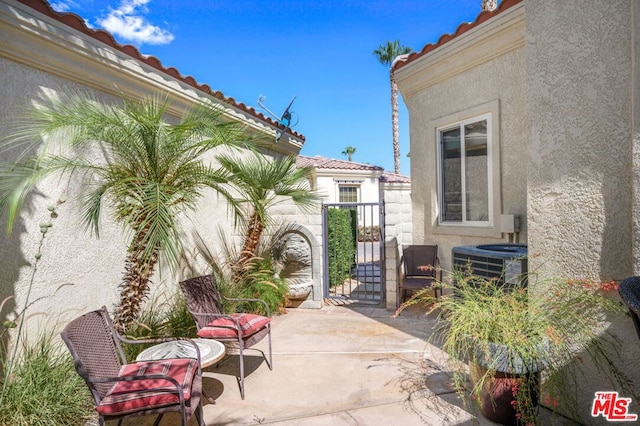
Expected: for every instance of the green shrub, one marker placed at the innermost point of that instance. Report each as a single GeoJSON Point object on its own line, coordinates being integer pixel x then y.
{"type": "Point", "coordinates": [260, 281]}
{"type": "Point", "coordinates": [44, 388]}
{"type": "Point", "coordinates": [39, 383]}
{"type": "Point", "coordinates": [341, 244]}
{"type": "Point", "coordinates": [254, 277]}
{"type": "Point", "coordinates": [178, 321]}
{"type": "Point", "coordinates": [171, 320]}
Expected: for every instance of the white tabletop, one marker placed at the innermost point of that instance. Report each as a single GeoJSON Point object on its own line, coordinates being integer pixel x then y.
{"type": "Point", "coordinates": [211, 351]}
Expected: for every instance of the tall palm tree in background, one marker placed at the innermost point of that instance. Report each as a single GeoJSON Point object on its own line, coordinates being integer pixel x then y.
{"type": "Point", "coordinates": [261, 183]}
{"type": "Point", "coordinates": [132, 162]}
{"type": "Point", "coordinates": [386, 53]}
{"type": "Point", "coordinates": [349, 151]}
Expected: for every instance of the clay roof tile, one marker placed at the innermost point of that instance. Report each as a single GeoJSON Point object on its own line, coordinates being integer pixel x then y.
{"type": "Point", "coordinates": [76, 22]}
{"type": "Point", "coordinates": [331, 163]}
{"type": "Point", "coordinates": [462, 28]}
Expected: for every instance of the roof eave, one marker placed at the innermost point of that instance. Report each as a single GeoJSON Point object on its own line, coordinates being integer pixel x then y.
{"type": "Point", "coordinates": [75, 24]}
{"type": "Point", "coordinates": [462, 28]}
{"type": "Point", "coordinates": [486, 40]}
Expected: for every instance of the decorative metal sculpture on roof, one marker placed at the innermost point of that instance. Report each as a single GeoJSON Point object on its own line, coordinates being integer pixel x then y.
{"type": "Point", "coordinates": [284, 119]}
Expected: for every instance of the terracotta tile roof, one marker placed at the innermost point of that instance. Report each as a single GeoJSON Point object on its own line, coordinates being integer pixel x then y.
{"type": "Point", "coordinates": [330, 163]}
{"type": "Point", "coordinates": [76, 22]}
{"type": "Point", "coordinates": [463, 28]}
{"type": "Point", "coordinates": [394, 178]}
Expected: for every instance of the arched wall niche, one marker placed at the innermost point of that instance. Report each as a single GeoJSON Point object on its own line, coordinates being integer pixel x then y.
{"type": "Point", "coordinates": [297, 252]}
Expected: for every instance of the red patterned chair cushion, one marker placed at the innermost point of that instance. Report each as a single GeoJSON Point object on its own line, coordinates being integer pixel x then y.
{"type": "Point", "coordinates": [225, 327]}
{"type": "Point", "coordinates": [129, 396]}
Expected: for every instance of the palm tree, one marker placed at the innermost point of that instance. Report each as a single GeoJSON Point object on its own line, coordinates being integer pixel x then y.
{"type": "Point", "coordinates": [349, 151]}
{"type": "Point", "coordinates": [386, 53]}
{"type": "Point", "coordinates": [132, 162]}
{"type": "Point", "coordinates": [261, 183]}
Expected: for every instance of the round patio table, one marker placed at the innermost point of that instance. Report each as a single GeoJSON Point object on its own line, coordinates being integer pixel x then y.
{"type": "Point", "coordinates": [211, 351]}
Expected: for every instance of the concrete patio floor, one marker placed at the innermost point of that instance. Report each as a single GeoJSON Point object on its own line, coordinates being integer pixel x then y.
{"type": "Point", "coordinates": [340, 365]}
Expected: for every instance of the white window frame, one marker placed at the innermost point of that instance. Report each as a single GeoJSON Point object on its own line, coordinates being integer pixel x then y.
{"type": "Point", "coordinates": [461, 126]}
{"type": "Point", "coordinates": [490, 112]}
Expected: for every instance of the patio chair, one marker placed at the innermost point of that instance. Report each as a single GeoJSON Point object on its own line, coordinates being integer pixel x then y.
{"type": "Point", "coordinates": [122, 390]}
{"type": "Point", "coordinates": [242, 330]}
{"type": "Point", "coordinates": [629, 290]}
{"type": "Point", "coordinates": [420, 266]}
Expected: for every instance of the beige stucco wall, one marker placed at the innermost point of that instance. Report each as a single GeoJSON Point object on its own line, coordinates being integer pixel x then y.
{"type": "Point", "coordinates": [78, 272]}
{"type": "Point", "coordinates": [482, 67]}
{"type": "Point", "coordinates": [579, 110]}
{"type": "Point", "coordinates": [582, 111]}
{"type": "Point", "coordinates": [635, 150]}
{"type": "Point", "coordinates": [569, 139]}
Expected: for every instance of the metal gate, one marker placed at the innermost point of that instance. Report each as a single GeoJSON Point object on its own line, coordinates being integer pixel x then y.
{"type": "Point", "coordinates": [353, 241]}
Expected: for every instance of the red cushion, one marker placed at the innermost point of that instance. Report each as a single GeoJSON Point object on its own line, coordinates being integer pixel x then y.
{"type": "Point", "coordinates": [129, 396]}
{"type": "Point", "coordinates": [225, 327]}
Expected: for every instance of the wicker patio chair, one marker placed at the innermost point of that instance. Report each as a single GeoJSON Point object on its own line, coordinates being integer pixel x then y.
{"type": "Point", "coordinates": [420, 266]}
{"type": "Point", "coordinates": [123, 390]}
{"type": "Point", "coordinates": [242, 330]}
{"type": "Point", "coordinates": [629, 290]}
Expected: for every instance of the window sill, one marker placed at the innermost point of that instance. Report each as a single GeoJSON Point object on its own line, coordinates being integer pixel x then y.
{"type": "Point", "coordinates": [470, 231]}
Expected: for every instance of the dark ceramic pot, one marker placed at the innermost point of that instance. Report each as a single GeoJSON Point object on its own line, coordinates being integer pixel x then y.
{"type": "Point", "coordinates": [497, 400]}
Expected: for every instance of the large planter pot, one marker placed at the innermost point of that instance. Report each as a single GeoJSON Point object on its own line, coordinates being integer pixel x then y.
{"type": "Point", "coordinates": [497, 401]}
{"type": "Point", "coordinates": [506, 374]}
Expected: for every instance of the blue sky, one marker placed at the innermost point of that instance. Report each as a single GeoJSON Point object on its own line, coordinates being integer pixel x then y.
{"type": "Point", "coordinates": [318, 51]}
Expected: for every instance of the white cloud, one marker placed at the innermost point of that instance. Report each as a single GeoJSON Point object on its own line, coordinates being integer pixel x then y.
{"type": "Point", "coordinates": [128, 22]}
{"type": "Point", "coordinates": [61, 6]}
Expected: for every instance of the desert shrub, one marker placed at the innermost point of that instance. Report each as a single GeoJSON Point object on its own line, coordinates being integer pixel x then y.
{"type": "Point", "coordinates": [259, 280]}
{"type": "Point", "coordinates": [44, 388]}
{"type": "Point", "coordinates": [157, 320]}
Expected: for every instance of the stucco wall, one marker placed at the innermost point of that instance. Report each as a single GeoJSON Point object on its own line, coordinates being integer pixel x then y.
{"type": "Point", "coordinates": [635, 114]}
{"type": "Point", "coordinates": [582, 109]}
{"type": "Point", "coordinates": [570, 143]}
{"type": "Point", "coordinates": [450, 81]}
{"type": "Point", "coordinates": [78, 272]}
{"type": "Point", "coordinates": [579, 135]}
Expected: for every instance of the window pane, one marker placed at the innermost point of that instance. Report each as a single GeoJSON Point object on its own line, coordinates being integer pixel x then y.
{"type": "Point", "coordinates": [348, 194]}
{"type": "Point", "coordinates": [476, 171]}
{"type": "Point", "coordinates": [451, 176]}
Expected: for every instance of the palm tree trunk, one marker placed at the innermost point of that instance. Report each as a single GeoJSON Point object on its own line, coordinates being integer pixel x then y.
{"type": "Point", "coordinates": [250, 245]}
{"type": "Point", "coordinates": [394, 124]}
{"type": "Point", "coordinates": [135, 285]}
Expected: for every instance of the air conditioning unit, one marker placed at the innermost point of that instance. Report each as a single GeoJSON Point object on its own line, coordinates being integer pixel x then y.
{"type": "Point", "coordinates": [504, 262]}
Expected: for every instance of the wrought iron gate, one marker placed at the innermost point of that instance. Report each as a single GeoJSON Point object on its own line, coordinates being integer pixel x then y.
{"type": "Point", "coordinates": [353, 241]}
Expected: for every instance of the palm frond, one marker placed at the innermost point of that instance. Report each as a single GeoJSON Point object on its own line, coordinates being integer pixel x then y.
{"type": "Point", "coordinates": [145, 169]}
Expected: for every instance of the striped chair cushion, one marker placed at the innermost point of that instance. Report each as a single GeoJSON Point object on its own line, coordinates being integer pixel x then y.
{"type": "Point", "coordinates": [130, 396]}
{"type": "Point", "coordinates": [225, 327]}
